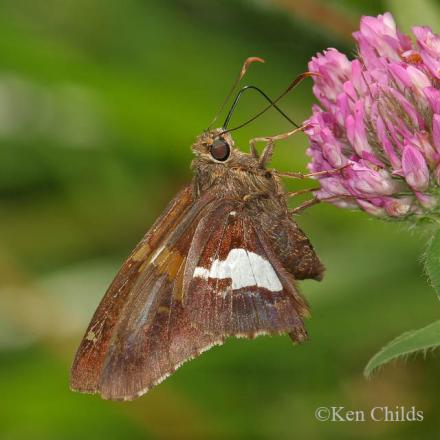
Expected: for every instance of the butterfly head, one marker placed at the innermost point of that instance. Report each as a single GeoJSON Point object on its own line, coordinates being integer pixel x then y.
{"type": "Point", "coordinates": [214, 146]}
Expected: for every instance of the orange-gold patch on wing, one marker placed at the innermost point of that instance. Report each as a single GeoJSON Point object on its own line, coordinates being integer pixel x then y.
{"type": "Point", "coordinates": [178, 285]}
{"type": "Point", "coordinates": [165, 261]}
{"type": "Point", "coordinates": [141, 253]}
{"type": "Point", "coordinates": [169, 262]}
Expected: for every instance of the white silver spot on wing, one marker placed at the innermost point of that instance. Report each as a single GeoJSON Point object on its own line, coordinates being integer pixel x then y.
{"type": "Point", "coordinates": [91, 336]}
{"type": "Point", "coordinates": [201, 272]}
{"type": "Point", "coordinates": [244, 268]}
{"type": "Point", "coordinates": [156, 254]}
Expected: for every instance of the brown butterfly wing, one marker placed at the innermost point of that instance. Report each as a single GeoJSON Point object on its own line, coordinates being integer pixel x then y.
{"type": "Point", "coordinates": [154, 335]}
{"type": "Point", "coordinates": [234, 283]}
{"type": "Point", "coordinates": [134, 275]}
{"type": "Point", "coordinates": [291, 246]}
{"type": "Point", "coordinates": [157, 314]}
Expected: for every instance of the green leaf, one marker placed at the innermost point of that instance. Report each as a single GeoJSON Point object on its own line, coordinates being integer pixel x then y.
{"type": "Point", "coordinates": [410, 342]}
{"type": "Point", "coordinates": [410, 13]}
{"type": "Point", "coordinates": [432, 262]}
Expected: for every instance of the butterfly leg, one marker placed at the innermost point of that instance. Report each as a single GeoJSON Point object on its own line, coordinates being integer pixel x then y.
{"type": "Point", "coordinates": [266, 155]}
{"type": "Point", "coordinates": [315, 201]}
{"type": "Point", "coordinates": [254, 151]}
{"type": "Point", "coordinates": [294, 175]}
{"type": "Point", "coordinates": [270, 140]}
{"type": "Point", "coordinates": [305, 205]}
{"type": "Point", "coordinates": [300, 192]}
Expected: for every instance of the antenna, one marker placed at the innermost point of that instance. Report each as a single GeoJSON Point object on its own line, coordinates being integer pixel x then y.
{"type": "Point", "coordinates": [291, 86]}
{"type": "Point", "coordinates": [242, 73]}
{"type": "Point", "coordinates": [237, 98]}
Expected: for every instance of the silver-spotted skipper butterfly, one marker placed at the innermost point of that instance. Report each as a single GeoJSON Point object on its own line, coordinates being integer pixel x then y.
{"type": "Point", "coordinates": [222, 260]}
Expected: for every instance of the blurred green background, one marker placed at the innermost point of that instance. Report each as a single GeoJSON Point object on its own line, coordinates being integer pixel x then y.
{"type": "Point", "coordinates": [99, 103]}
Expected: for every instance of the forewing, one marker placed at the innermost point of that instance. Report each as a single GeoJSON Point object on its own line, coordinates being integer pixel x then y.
{"type": "Point", "coordinates": [141, 285]}
{"type": "Point", "coordinates": [234, 284]}
{"type": "Point", "coordinates": [154, 335]}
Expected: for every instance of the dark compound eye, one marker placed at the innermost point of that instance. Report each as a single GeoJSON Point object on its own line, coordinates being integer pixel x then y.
{"type": "Point", "coordinates": [220, 150]}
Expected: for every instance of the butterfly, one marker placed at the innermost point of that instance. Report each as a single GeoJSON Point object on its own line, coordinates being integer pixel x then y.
{"type": "Point", "coordinates": [222, 260]}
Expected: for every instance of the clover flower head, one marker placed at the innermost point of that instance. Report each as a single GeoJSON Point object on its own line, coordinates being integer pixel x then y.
{"type": "Point", "coordinates": [378, 121]}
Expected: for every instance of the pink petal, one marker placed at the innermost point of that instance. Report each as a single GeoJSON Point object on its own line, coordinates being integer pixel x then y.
{"type": "Point", "coordinates": [415, 169]}
{"type": "Point", "coordinates": [433, 96]}
{"type": "Point", "coordinates": [356, 132]}
{"type": "Point", "coordinates": [371, 208]}
{"type": "Point", "coordinates": [386, 144]}
{"type": "Point", "coordinates": [436, 131]}
{"type": "Point", "coordinates": [398, 207]}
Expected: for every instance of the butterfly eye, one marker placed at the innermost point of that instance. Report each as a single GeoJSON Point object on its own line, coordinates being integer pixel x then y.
{"type": "Point", "coordinates": [220, 150]}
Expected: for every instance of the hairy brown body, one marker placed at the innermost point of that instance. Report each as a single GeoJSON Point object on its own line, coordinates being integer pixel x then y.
{"type": "Point", "coordinates": [245, 179]}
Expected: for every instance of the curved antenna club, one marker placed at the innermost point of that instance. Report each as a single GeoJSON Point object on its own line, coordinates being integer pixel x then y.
{"type": "Point", "coordinates": [237, 98]}
{"type": "Point", "coordinates": [291, 86]}
{"type": "Point", "coordinates": [242, 73]}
